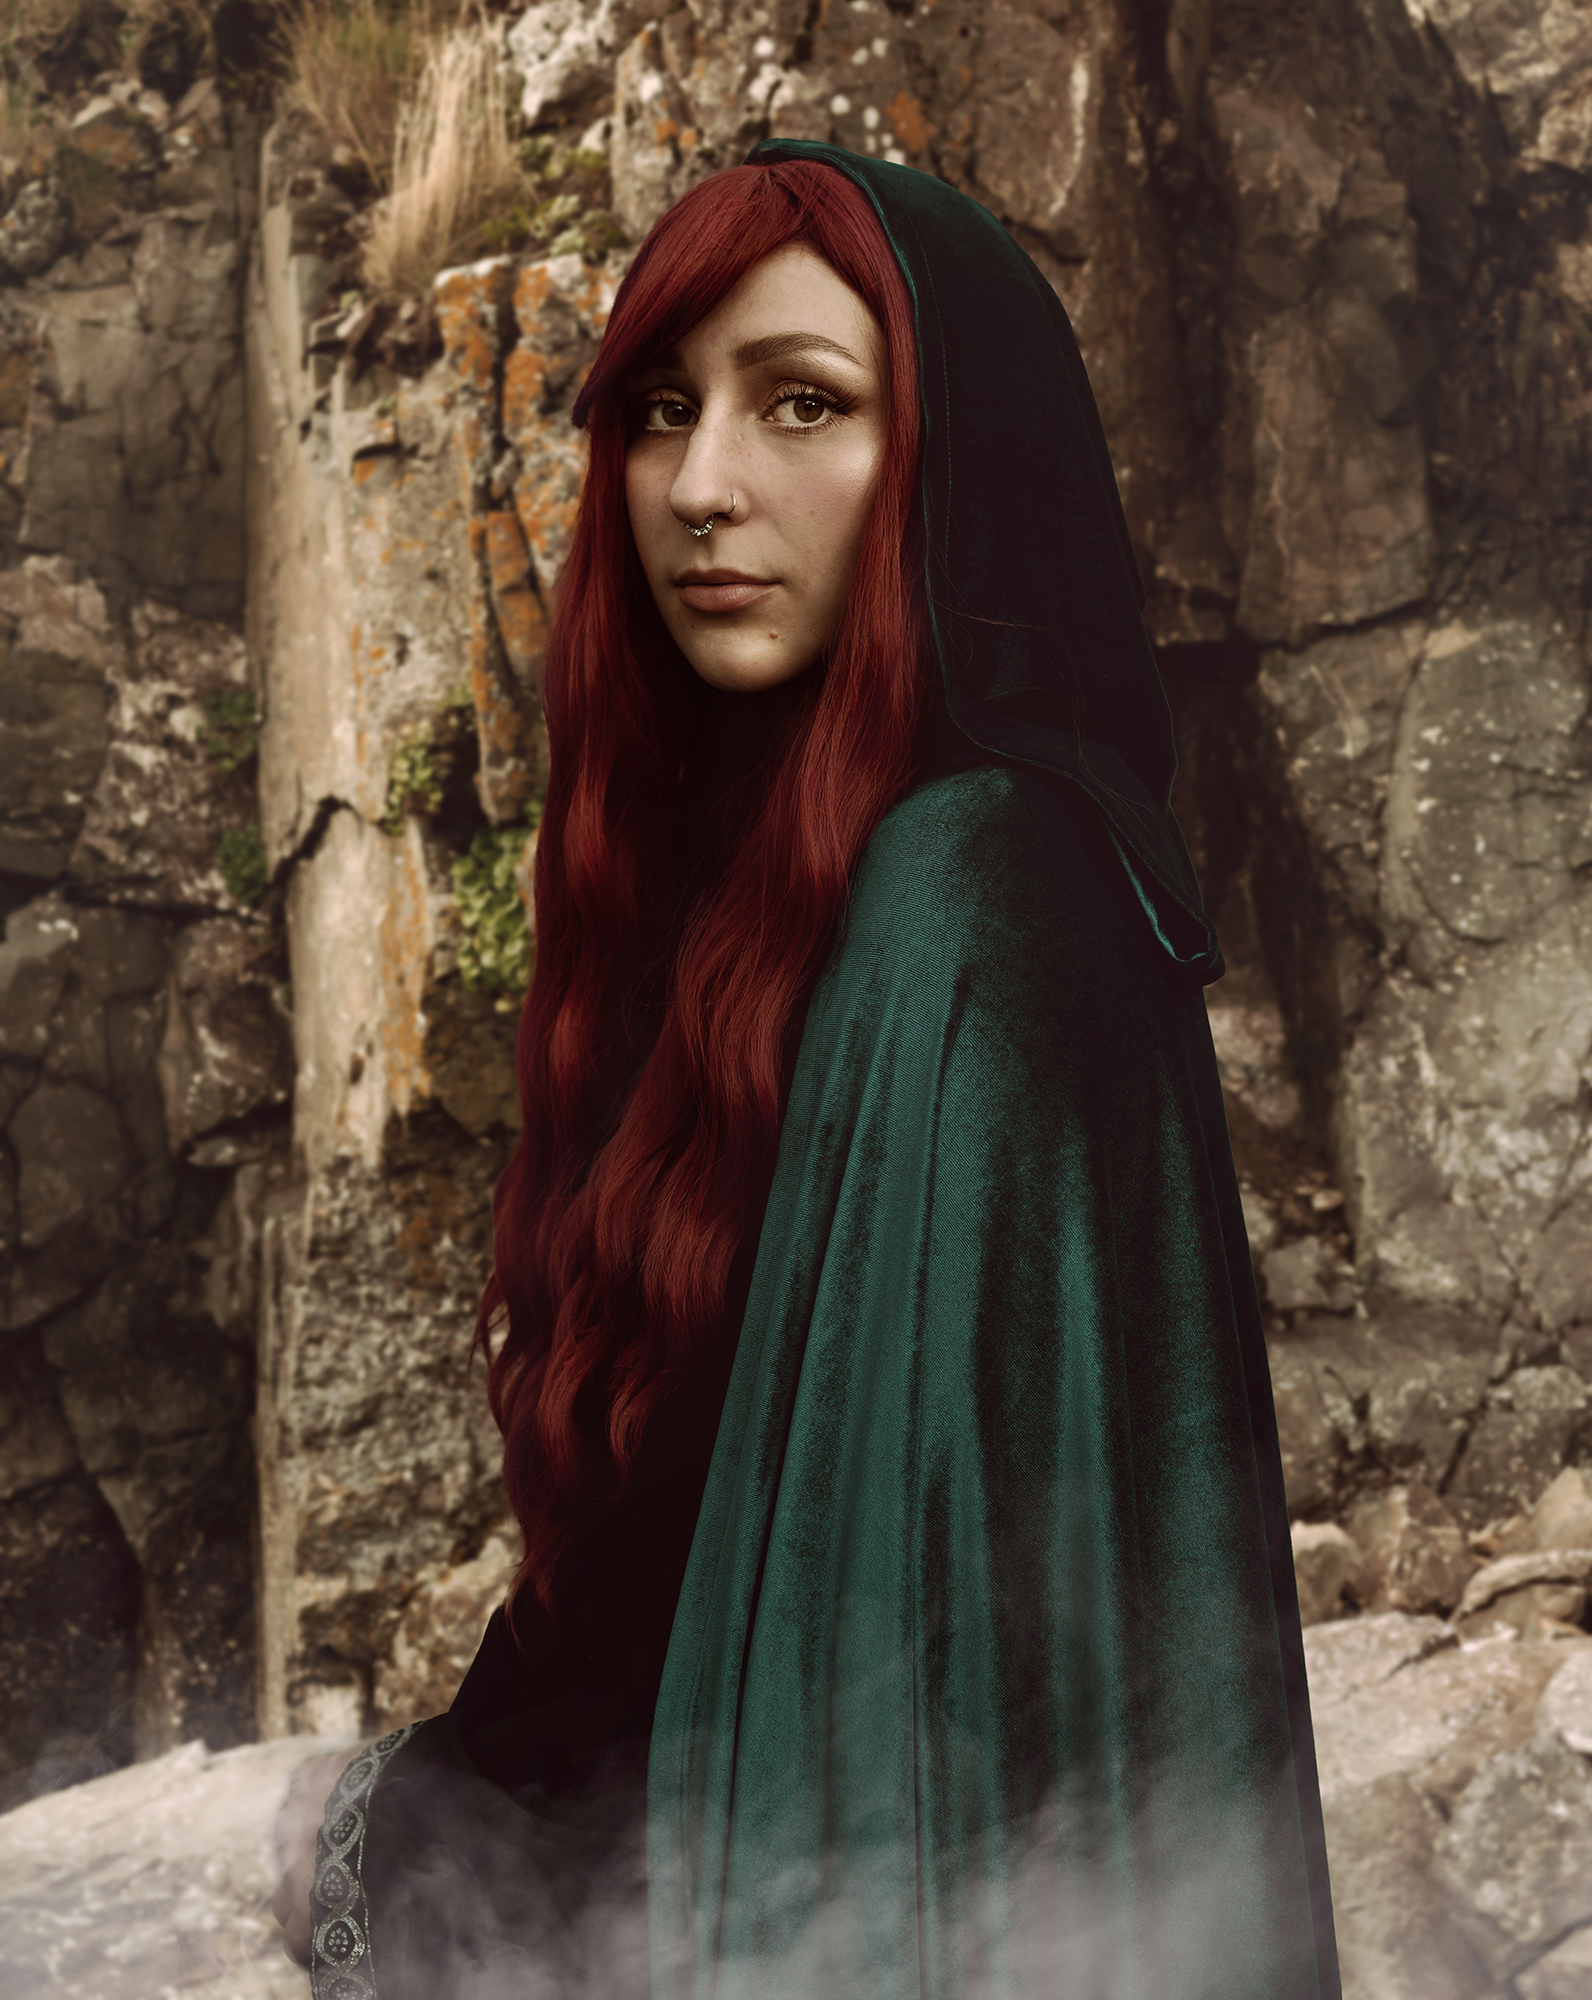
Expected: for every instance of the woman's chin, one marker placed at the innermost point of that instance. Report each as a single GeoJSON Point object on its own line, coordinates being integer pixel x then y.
{"type": "Point", "coordinates": [732, 672]}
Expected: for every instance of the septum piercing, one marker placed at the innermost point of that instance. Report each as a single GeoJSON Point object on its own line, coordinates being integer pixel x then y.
{"type": "Point", "coordinates": [707, 526]}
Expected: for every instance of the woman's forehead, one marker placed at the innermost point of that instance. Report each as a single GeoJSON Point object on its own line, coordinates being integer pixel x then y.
{"type": "Point", "coordinates": [785, 307]}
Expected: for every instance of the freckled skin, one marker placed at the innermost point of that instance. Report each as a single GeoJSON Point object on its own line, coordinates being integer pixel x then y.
{"type": "Point", "coordinates": [803, 470]}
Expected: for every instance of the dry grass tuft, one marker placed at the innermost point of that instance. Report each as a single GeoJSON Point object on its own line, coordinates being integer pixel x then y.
{"type": "Point", "coordinates": [454, 164]}
{"type": "Point", "coordinates": [37, 20]}
{"type": "Point", "coordinates": [348, 62]}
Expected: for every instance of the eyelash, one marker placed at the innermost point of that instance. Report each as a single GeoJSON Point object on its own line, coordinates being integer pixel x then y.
{"type": "Point", "coordinates": [787, 392]}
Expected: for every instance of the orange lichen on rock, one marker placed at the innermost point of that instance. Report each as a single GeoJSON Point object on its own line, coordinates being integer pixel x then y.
{"type": "Point", "coordinates": [468, 303]}
{"type": "Point", "coordinates": [524, 388]}
{"type": "Point", "coordinates": [405, 959]}
{"type": "Point", "coordinates": [907, 121]}
{"type": "Point", "coordinates": [521, 622]}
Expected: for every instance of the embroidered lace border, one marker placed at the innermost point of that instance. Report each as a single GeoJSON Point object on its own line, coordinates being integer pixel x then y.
{"type": "Point", "coordinates": [341, 1963]}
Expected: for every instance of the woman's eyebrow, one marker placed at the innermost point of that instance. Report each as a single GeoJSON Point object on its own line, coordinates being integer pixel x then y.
{"type": "Point", "coordinates": [782, 346]}
{"type": "Point", "coordinates": [754, 353]}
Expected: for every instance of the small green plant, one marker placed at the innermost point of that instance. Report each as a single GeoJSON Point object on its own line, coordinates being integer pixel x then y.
{"type": "Point", "coordinates": [414, 783]}
{"type": "Point", "coordinates": [231, 729]}
{"type": "Point", "coordinates": [563, 186]}
{"type": "Point", "coordinates": [240, 856]}
{"type": "Point", "coordinates": [495, 953]}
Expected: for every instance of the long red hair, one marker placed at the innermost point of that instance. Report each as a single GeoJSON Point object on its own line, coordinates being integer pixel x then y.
{"type": "Point", "coordinates": [670, 964]}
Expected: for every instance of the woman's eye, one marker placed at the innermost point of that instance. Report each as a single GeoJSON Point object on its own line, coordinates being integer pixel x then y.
{"type": "Point", "coordinates": [662, 414]}
{"type": "Point", "coordinates": [806, 408]}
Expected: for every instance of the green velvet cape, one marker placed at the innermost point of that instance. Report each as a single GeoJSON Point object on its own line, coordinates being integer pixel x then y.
{"type": "Point", "coordinates": [986, 1678]}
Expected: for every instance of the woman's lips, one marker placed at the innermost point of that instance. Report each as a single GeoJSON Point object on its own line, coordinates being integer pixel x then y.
{"type": "Point", "coordinates": [727, 594]}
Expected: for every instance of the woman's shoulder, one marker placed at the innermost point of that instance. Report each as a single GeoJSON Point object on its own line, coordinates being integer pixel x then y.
{"type": "Point", "coordinates": [992, 865]}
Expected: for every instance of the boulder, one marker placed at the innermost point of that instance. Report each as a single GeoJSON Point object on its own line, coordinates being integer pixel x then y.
{"type": "Point", "coordinates": [1318, 1377]}
{"type": "Point", "coordinates": [156, 1879]}
{"type": "Point", "coordinates": [1565, 1973]}
{"type": "Point", "coordinates": [228, 1045]}
{"type": "Point", "coordinates": [1436, 1714]}
{"type": "Point", "coordinates": [1516, 1856]}
{"type": "Point", "coordinates": [1530, 1592]}
{"type": "Point", "coordinates": [1455, 1113]}
{"type": "Point", "coordinates": [1405, 1720]}
{"type": "Point", "coordinates": [1428, 1377]}
{"type": "Point", "coordinates": [35, 229]}
{"type": "Point", "coordinates": [176, 776]}
{"type": "Point", "coordinates": [1329, 1571]}
{"type": "Point", "coordinates": [1413, 1552]}
{"type": "Point", "coordinates": [1561, 1518]}
{"type": "Point", "coordinates": [1565, 1710]}
{"type": "Point", "coordinates": [1518, 1443]}
{"type": "Point", "coordinates": [135, 456]}
{"type": "Point", "coordinates": [68, 1611]}
{"type": "Point", "coordinates": [1307, 1275]}
{"type": "Point", "coordinates": [440, 1630]}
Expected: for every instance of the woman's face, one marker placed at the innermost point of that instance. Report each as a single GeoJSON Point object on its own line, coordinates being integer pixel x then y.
{"type": "Point", "coordinates": [777, 400]}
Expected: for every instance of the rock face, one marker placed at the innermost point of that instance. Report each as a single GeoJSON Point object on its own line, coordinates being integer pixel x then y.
{"type": "Point", "coordinates": [1456, 1807]}
{"type": "Point", "coordinates": [141, 1063]}
{"type": "Point", "coordinates": [272, 623]}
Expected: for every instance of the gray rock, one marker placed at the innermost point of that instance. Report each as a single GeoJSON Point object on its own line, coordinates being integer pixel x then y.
{"type": "Point", "coordinates": [1338, 528]}
{"type": "Point", "coordinates": [228, 1047]}
{"type": "Point", "coordinates": [53, 738]}
{"type": "Point", "coordinates": [1334, 708]}
{"type": "Point", "coordinates": [38, 953]}
{"type": "Point", "coordinates": [379, 1460]}
{"type": "Point", "coordinates": [1395, 1932]}
{"type": "Point", "coordinates": [1539, 1595]}
{"type": "Point", "coordinates": [35, 1444]}
{"type": "Point", "coordinates": [566, 49]}
{"type": "Point", "coordinates": [1561, 1518]}
{"type": "Point", "coordinates": [1436, 1720]}
{"type": "Point", "coordinates": [1516, 1857]}
{"type": "Point", "coordinates": [1413, 1550]}
{"type": "Point", "coordinates": [156, 1879]}
{"type": "Point", "coordinates": [1329, 1571]}
{"type": "Point", "coordinates": [1486, 811]}
{"type": "Point", "coordinates": [1457, 1103]}
{"type": "Point", "coordinates": [1565, 1973]}
{"type": "Point", "coordinates": [159, 1406]}
{"type": "Point", "coordinates": [1532, 65]}
{"type": "Point", "coordinates": [68, 1606]}
{"type": "Point", "coordinates": [1307, 1276]}
{"type": "Point", "coordinates": [440, 1630]}
{"type": "Point", "coordinates": [1517, 1444]}
{"type": "Point", "coordinates": [1429, 1377]}
{"type": "Point", "coordinates": [135, 456]}
{"type": "Point", "coordinates": [1565, 1710]}
{"type": "Point", "coordinates": [1343, 1660]}
{"type": "Point", "coordinates": [72, 1157]}
{"type": "Point", "coordinates": [654, 155]}
{"type": "Point", "coordinates": [35, 229]}
{"type": "Point", "coordinates": [173, 780]}
{"type": "Point", "coordinates": [1319, 1373]}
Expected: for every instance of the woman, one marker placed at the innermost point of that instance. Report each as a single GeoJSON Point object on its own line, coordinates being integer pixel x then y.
{"type": "Point", "coordinates": [874, 1333]}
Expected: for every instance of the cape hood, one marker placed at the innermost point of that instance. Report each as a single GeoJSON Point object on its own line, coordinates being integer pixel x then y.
{"type": "Point", "coordinates": [1034, 592]}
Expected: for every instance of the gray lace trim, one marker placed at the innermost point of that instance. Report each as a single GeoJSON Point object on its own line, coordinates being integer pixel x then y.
{"type": "Point", "coordinates": [341, 1967]}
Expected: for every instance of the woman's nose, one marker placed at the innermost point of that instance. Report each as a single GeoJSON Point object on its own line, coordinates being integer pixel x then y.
{"type": "Point", "coordinates": [708, 472]}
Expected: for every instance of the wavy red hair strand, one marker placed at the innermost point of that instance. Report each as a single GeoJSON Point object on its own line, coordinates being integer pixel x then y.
{"type": "Point", "coordinates": [651, 1041]}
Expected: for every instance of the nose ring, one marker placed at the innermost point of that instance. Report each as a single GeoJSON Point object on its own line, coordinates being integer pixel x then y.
{"type": "Point", "coordinates": [707, 526]}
